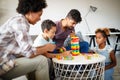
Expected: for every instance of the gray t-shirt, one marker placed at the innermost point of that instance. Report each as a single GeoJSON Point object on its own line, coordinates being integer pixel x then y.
{"type": "Point", "coordinates": [68, 39]}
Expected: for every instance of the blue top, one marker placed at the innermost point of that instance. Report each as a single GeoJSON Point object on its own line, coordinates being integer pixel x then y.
{"type": "Point", "coordinates": [105, 52]}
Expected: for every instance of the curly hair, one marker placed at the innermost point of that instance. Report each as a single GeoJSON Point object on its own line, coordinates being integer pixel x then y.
{"type": "Point", "coordinates": [47, 24]}
{"type": "Point", "coordinates": [75, 15]}
{"type": "Point", "coordinates": [24, 6]}
{"type": "Point", "coordinates": [105, 32]}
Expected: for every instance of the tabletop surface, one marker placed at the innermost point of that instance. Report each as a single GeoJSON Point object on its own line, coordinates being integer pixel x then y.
{"type": "Point", "coordinates": [111, 33]}
{"type": "Point", "coordinates": [82, 59]}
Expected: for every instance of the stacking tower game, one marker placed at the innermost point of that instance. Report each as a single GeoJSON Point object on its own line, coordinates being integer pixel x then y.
{"type": "Point", "coordinates": [75, 46]}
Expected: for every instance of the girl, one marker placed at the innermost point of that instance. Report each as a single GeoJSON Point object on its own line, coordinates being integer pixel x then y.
{"type": "Point", "coordinates": [105, 50]}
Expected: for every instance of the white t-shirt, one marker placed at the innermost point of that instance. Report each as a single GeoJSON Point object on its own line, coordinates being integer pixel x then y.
{"type": "Point", "coordinates": [105, 52]}
{"type": "Point", "coordinates": [40, 41]}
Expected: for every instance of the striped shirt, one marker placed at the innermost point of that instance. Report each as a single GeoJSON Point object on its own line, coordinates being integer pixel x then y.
{"type": "Point", "coordinates": [14, 39]}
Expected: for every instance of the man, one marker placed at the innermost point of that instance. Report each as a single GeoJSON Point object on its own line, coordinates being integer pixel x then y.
{"type": "Point", "coordinates": [66, 26]}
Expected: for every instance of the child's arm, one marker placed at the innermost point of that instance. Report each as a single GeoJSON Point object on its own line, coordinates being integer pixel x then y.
{"type": "Point", "coordinates": [52, 55]}
{"type": "Point", "coordinates": [49, 55]}
{"type": "Point", "coordinates": [79, 34]}
{"type": "Point", "coordinates": [41, 50]}
{"type": "Point", "coordinates": [66, 53]}
{"type": "Point", "coordinates": [91, 50]}
{"type": "Point", "coordinates": [113, 59]}
{"type": "Point", "coordinates": [67, 41]}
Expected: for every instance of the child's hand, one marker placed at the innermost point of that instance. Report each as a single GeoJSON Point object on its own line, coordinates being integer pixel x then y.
{"type": "Point", "coordinates": [67, 53]}
{"type": "Point", "coordinates": [72, 34]}
{"type": "Point", "coordinates": [91, 51]}
{"type": "Point", "coordinates": [62, 49]}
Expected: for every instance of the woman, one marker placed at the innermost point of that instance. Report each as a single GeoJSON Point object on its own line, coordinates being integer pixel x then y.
{"type": "Point", "coordinates": [15, 39]}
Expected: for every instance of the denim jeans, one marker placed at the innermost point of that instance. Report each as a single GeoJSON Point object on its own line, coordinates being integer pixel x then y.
{"type": "Point", "coordinates": [108, 73]}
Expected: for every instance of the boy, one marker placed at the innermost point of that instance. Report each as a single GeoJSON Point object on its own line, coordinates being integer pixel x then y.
{"type": "Point", "coordinates": [48, 29]}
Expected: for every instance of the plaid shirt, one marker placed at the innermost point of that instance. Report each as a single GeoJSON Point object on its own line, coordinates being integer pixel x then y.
{"type": "Point", "coordinates": [14, 39]}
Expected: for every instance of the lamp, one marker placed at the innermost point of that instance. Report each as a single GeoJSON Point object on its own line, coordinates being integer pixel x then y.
{"type": "Point", "coordinates": [93, 9]}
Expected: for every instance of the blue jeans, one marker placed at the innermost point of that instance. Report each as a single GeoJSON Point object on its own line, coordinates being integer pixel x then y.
{"type": "Point", "coordinates": [84, 47]}
{"type": "Point", "coordinates": [108, 73]}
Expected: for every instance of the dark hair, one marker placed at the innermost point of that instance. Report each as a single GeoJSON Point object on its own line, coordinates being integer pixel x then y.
{"type": "Point", "coordinates": [24, 6]}
{"type": "Point", "coordinates": [74, 15]}
{"type": "Point", "coordinates": [104, 32]}
{"type": "Point", "coordinates": [47, 24]}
